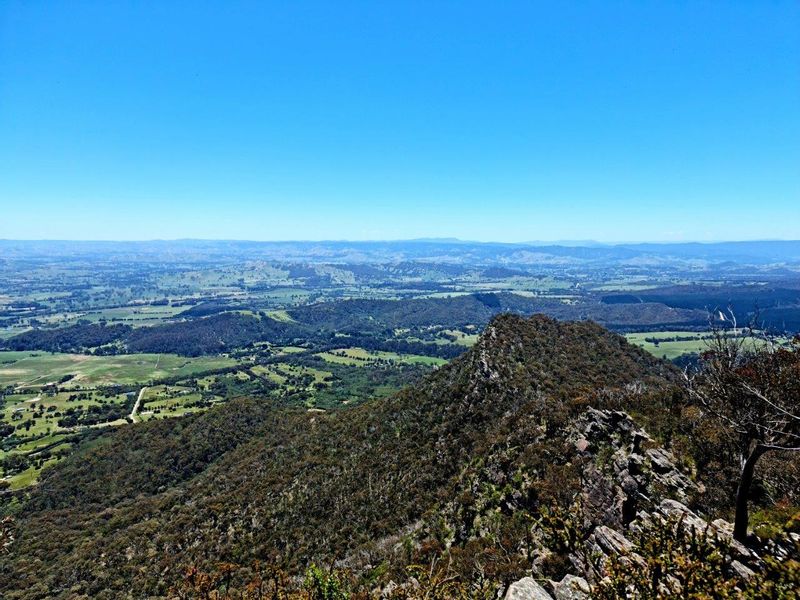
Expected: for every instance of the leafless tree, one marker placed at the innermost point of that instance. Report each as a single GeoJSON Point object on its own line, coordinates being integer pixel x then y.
{"type": "Point", "coordinates": [751, 386]}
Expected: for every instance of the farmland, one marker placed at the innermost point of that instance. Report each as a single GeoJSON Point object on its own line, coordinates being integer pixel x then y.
{"type": "Point", "coordinates": [670, 344]}
{"type": "Point", "coordinates": [33, 370]}
{"type": "Point", "coordinates": [355, 356]}
{"type": "Point", "coordinates": [51, 401]}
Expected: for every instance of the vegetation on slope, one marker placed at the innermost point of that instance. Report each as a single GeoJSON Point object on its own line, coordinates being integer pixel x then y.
{"type": "Point", "coordinates": [310, 486]}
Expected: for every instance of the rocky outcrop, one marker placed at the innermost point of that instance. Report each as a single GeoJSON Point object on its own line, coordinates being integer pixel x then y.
{"type": "Point", "coordinates": [626, 472]}
{"type": "Point", "coordinates": [571, 588]}
{"type": "Point", "coordinates": [526, 589]}
{"type": "Point", "coordinates": [631, 484]}
{"type": "Point", "coordinates": [630, 489]}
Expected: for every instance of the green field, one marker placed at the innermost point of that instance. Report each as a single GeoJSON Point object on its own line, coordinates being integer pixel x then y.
{"type": "Point", "coordinates": [24, 406]}
{"type": "Point", "coordinates": [668, 349]}
{"type": "Point", "coordinates": [280, 315]}
{"type": "Point", "coordinates": [9, 332]}
{"type": "Point", "coordinates": [29, 476]}
{"type": "Point", "coordinates": [134, 315]}
{"type": "Point", "coordinates": [172, 401]}
{"type": "Point", "coordinates": [30, 370]}
{"type": "Point", "coordinates": [461, 338]}
{"type": "Point", "coordinates": [356, 356]}
{"type": "Point", "coordinates": [657, 344]}
{"type": "Point", "coordinates": [50, 395]}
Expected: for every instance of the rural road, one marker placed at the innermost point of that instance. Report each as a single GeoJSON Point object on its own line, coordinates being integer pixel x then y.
{"type": "Point", "coordinates": [137, 405]}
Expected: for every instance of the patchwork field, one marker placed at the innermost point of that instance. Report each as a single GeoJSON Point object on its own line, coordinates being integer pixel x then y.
{"type": "Point", "coordinates": [30, 370]}
{"type": "Point", "coordinates": [47, 397]}
{"type": "Point", "coordinates": [356, 356]}
{"type": "Point", "coordinates": [133, 315]}
{"type": "Point", "coordinates": [173, 401]}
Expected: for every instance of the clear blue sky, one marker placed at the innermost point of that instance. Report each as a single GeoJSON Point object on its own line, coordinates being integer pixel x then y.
{"type": "Point", "coordinates": [486, 120]}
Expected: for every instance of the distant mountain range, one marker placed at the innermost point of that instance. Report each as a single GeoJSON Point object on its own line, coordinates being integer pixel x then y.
{"type": "Point", "coordinates": [437, 250]}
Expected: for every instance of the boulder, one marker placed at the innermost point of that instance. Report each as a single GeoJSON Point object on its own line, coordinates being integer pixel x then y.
{"type": "Point", "coordinates": [526, 589]}
{"type": "Point", "coordinates": [660, 459]}
{"type": "Point", "coordinates": [571, 588]}
{"type": "Point", "coordinates": [719, 528]}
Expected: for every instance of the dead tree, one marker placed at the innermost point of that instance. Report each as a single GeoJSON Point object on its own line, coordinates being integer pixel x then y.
{"type": "Point", "coordinates": [751, 387]}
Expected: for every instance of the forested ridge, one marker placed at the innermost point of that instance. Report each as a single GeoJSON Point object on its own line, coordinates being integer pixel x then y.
{"type": "Point", "coordinates": [212, 328]}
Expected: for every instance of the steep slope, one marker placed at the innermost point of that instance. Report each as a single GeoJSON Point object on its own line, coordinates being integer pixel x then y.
{"type": "Point", "coordinates": [489, 433]}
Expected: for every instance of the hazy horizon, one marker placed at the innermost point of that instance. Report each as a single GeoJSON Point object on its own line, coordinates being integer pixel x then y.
{"type": "Point", "coordinates": [576, 243]}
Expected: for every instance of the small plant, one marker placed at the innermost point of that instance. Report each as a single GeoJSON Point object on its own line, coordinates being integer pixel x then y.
{"type": "Point", "coordinates": [669, 560]}
{"type": "Point", "coordinates": [436, 581]}
{"type": "Point", "coordinates": [322, 585]}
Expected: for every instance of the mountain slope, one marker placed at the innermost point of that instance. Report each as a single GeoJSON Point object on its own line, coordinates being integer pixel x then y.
{"type": "Point", "coordinates": [291, 487]}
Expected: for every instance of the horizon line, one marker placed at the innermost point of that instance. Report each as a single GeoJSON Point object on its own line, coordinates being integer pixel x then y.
{"type": "Point", "coordinates": [443, 240]}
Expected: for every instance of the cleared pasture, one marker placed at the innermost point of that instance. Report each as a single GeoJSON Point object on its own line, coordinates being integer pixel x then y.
{"type": "Point", "coordinates": [357, 356]}
{"type": "Point", "coordinates": [664, 345]}
{"type": "Point", "coordinates": [24, 370]}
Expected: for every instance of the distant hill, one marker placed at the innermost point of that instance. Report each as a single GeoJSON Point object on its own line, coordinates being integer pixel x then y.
{"type": "Point", "coordinates": [213, 328]}
{"type": "Point", "coordinates": [433, 250]}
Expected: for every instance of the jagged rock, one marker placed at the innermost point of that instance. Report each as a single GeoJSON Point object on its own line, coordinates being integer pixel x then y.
{"type": "Point", "coordinates": [741, 570]}
{"type": "Point", "coordinates": [624, 479]}
{"type": "Point", "coordinates": [629, 485]}
{"type": "Point", "coordinates": [660, 459]}
{"type": "Point", "coordinates": [571, 588]}
{"type": "Point", "coordinates": [612, 542]}
{"type": "Point", "coordinates": [601, 501]}
{"type": "Point", "coordinates": [721, 529]}
{"type": "Point", "coordinates": [526, 589]}
{"type": "Point", "coordinates": [673, 508]}
{"type": "Point", "coordinates": [723, 526]}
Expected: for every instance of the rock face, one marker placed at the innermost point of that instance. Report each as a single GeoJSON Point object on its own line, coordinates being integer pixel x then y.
{"type": "Point", "coordinates": [629, 488]}
{"type": "Point", "coordinates": [624, 476]}
{"type": "Point", "coordinates": [526, 589]}
{"type": "Point", "coordinates": [630, 483]}
{"type": "Point", "coordinates": [610, 542]}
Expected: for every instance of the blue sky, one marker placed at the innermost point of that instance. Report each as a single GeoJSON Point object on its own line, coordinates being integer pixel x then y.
{"type": "Point", "coordinates": [507, 121]}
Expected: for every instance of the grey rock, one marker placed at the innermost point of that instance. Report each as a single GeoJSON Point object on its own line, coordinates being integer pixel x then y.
{"type": "Point", "coordinates": [719, 528]}
{"type": "Point", "coordinates": [526, 589]}
{"type": "Point", "coordinates": [723, 526]}
{"type": "Point", "coordinates": [673, 508]}
{"type": "Point", "coordinates": [629, 485]}
{"type": "Point", "coordinates": [571, 588]}
{"type": "Point", "coordinates": [612, 542]}
{"type": "Point", "coordinates": [660, 459]}
{"type": "Point", "coordinates": [741, 570]}
{"type": "Point", "coordinates": [635, 463]}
